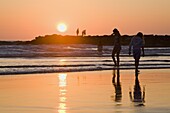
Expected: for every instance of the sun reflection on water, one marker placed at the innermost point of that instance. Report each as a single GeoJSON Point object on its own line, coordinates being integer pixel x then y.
{"type": "Point", "coordinates": [62, 79]}
{"type": "Point", "coordinates": [62, 93]}
{"type": "Point", "coordinates": [62, 62]}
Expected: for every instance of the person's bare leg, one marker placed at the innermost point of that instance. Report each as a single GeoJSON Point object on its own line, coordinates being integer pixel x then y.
{"type": "Point", "coordinates": [113, 57]}
{"type": "Point", "coordinates": [117, 59]}
{"type": "Point", "coordinates": [136, 65]}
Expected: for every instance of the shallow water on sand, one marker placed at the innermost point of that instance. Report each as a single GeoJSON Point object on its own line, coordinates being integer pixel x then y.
{"type": "Point", "coordinates": [74, 64]}
{"type": "Point", "coordinates": [86, 92]}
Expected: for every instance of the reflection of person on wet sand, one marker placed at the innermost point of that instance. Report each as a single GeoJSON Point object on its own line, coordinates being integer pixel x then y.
{"type": "Point", "coordinates": [117, 86]}
{"type": "Point", "coordinates": [137, 98]}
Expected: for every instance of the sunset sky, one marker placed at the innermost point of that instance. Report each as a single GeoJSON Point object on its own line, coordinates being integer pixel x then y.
{"type": "Point", "coordinates": [26, 19]}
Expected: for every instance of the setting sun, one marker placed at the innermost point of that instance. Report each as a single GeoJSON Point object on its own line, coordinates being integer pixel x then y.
{"type": "Point", "coordinates": [61, 27]}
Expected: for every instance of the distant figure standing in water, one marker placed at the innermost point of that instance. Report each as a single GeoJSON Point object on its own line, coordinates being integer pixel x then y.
{"type": "Point", "coordinates": [117, 46]}
{"type": "Point", "coordinates": [137, 42]}
{"type": "Point", "coordinates": [100, 47]}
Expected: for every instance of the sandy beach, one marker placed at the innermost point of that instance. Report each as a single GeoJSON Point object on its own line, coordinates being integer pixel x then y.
{"type": "Point", "coordinates": [84, 92]}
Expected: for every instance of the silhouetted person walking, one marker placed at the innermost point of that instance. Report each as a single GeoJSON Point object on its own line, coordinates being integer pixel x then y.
{"type": "Point", "coordinates": [137, 42]}
{"type": "Point", "coordinates": [117, 46]}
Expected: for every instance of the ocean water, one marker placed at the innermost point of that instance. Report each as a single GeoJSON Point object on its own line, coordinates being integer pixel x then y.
{"type": "Point", "coordinates": [25, 59]}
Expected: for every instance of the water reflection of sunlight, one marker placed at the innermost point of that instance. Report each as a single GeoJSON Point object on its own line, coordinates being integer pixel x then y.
{"type": "Point", "coordinates": [62, 93]}
{"type": "Point", "coordinates": [62, 61]}
{"type": "Point", "coordinates": [62, 79]}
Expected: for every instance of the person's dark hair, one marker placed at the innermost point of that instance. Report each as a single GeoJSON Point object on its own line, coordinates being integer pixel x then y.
{"type": "Point", "coordinates": [140, 34]}
{"type": "Point", "coordinates": [115, 31]}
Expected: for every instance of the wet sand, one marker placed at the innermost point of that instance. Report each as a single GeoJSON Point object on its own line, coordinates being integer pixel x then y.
{"type": "Point", "coordinates": [86, 92]}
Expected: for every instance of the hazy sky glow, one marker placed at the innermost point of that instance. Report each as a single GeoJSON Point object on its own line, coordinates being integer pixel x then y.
{"type": "Point", "coordinates": [26, 19]}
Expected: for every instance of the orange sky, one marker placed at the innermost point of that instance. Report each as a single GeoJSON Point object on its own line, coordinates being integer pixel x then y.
{"type": "Point", "coordinates": [26, 19]}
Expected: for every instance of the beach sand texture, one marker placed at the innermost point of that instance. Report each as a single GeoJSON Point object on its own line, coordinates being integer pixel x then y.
{"type": "Point", "coordinates": [84, 92]}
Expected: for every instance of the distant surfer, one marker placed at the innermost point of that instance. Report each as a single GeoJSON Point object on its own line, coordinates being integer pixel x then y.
{"type": "Point", "coordinates": [117, 46]}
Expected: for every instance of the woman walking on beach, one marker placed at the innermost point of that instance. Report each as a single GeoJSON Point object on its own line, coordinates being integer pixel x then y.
{"type": "Point", "coordinates": [137, 42]}
{"type": "Point", "coordinates": [117, 46]}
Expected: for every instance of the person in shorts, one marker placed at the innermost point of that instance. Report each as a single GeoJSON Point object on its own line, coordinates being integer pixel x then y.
{"type": "Point", "coordinates": [138, 43]}
{"type": "Point", "coordinates": [117, 46]}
